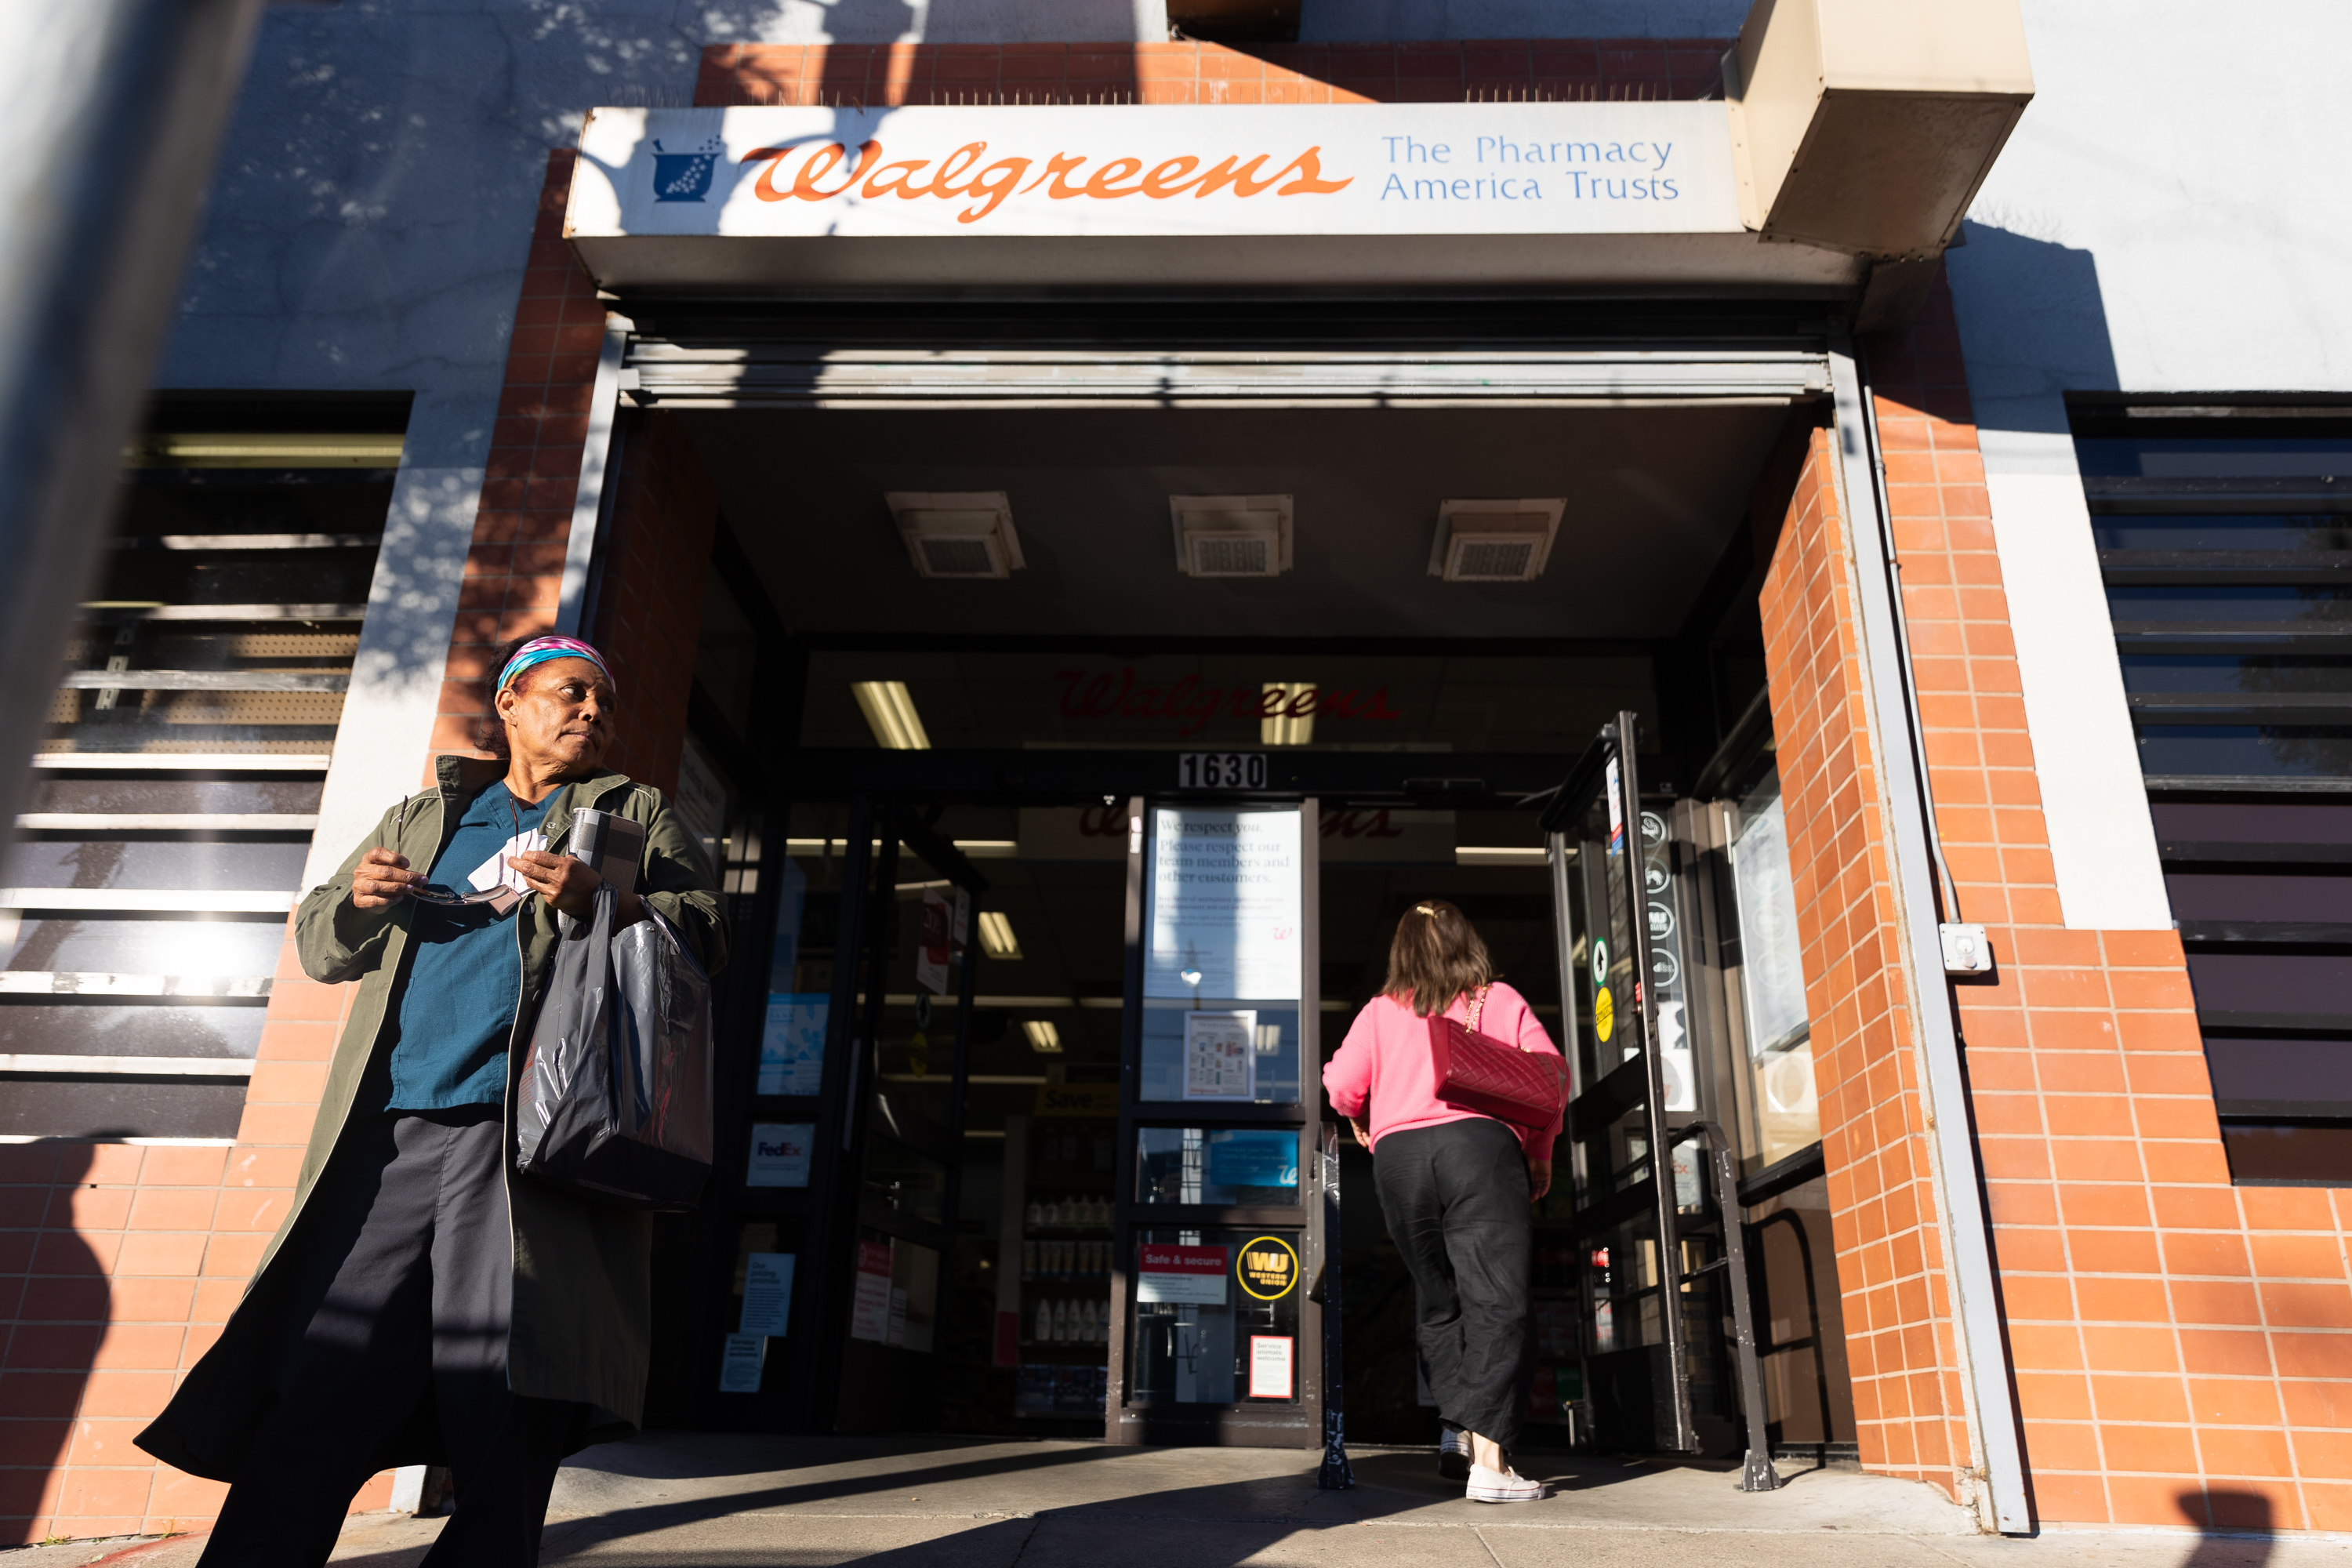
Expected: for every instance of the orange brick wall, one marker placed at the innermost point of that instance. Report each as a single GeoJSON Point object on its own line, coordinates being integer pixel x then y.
{"type": "Point", "coordinates": [1488, 68]}
{"type": "Point", "coordinates": [121, 1262]}
{"type": "Point", "coordinates": [2182, 1348]}
{"type": "Point", "coordinates": [1899, 1328]}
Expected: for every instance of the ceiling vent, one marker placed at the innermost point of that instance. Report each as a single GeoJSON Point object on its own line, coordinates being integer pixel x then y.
{"type": "Point", "coordinates": [1493, 541]}
{"type": "Point", "coordinates": [958, 534]}
{"type": "Point", "coordinates": [1232, 536]}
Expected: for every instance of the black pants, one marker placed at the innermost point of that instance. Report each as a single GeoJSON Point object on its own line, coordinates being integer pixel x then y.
{"type": "Point", "coordinates": [1455, 1196]}
{"type": "Point", "coordinates": [403, 1293]}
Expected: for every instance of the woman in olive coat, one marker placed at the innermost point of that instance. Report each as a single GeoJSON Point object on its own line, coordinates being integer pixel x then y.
{"type": "Point", "coordinates": [422, 1303]}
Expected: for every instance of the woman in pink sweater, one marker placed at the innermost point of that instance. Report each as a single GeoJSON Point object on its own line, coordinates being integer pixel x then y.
{"type": "Point", "coordinates": [1454, 1184]}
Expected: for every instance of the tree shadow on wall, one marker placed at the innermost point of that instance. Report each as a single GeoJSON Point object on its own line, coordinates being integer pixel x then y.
{"type": "Point", "coordinates": [62, 1299]}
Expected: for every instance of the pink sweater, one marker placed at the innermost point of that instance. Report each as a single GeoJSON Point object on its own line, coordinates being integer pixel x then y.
{"type": "Point", "coordinates": [1385, 1059]}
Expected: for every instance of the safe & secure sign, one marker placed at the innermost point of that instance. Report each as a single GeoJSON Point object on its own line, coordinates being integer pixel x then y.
{"type": "Point", "coordinates": [1160, 170]}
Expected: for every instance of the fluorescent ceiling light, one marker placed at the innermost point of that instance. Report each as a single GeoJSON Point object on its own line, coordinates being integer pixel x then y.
{"type": "Point", "coordinates": [265, 449]}
{"type": "Point", "coordinates": [996, 938]}
{"type": "Point", "coordinates": [1501, 854]}
{"type": "Point", "coordinates": [1291, 720]}
{"type": "Point", "coordinates": [890, 714]}
{"type": "Point", "coordinates": [1044, 1039]}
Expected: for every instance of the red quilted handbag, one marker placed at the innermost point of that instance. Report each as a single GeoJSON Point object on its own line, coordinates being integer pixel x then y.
{"type": "Point", "coordinates": [1478, 1072]}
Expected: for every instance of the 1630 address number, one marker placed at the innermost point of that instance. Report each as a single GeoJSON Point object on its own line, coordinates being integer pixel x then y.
{"type": "Point", "coordinates": [1221, 770]}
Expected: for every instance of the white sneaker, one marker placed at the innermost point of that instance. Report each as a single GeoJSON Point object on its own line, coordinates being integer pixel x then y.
{"type": "Point", "coordinates": [1502, 1486]}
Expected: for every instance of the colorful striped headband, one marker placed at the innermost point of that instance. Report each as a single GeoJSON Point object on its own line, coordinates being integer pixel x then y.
{"type": "Point", "coordinates": [539, 650]}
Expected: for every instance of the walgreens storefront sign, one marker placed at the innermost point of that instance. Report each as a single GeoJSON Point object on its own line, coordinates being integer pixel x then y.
{"type": "Point", "coordinates": [1190, 170]}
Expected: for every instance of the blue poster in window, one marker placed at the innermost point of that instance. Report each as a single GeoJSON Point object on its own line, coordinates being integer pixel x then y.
{"type": "Point", "coordinates": [792, 1047]}
{"type": "Point", "coordinates": [1253, 1159]}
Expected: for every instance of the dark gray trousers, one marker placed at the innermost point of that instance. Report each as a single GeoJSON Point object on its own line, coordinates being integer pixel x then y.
{"type": "Point", "coordinates": [1455, 1197]}
{"type": "Point", "coordinates": [403, 1294]}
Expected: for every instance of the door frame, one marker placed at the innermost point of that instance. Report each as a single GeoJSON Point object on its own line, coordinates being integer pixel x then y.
{"type": "Point", "coordinates": [1242, 1424]}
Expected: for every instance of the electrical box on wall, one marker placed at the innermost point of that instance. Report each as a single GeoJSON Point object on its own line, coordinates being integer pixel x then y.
{"type": "Point", "coordinates": [1967, 949]}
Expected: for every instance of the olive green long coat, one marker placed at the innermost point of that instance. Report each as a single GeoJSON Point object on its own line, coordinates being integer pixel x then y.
{"type": "Point", "coordinates": [583, 1271]}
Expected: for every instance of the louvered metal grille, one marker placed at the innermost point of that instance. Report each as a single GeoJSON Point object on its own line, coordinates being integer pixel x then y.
{"type": "Point", "coordinates": [2226, 547]}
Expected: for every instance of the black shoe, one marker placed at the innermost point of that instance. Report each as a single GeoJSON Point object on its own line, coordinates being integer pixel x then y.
{"type": "Point", "coordinates": [1453, 1454]}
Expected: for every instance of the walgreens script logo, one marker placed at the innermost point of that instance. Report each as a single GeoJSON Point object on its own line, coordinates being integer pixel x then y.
{"type": "Point", "coordinates": [964, 176]}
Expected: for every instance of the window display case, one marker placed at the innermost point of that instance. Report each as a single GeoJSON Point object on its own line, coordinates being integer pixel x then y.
{"type": "Point", "coordinates": [1054, 1268]}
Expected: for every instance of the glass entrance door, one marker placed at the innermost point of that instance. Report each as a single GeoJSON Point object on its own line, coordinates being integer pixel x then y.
{"type": "Point", "coordinates": [898, 1023]}
{"type": "Point", "coordinates": [1655, 1246]}
{"type": "Point", "coordinates": [1217, 1321]}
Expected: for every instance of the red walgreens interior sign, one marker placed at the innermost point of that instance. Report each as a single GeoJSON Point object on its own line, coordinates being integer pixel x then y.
{"type": "Point", "coordinates": [1103, 695]}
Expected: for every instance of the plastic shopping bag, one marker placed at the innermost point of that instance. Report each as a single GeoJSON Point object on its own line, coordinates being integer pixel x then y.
{"type": "Point", "coordinates": [615, 1093]}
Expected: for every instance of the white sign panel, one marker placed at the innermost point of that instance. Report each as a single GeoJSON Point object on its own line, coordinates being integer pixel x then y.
{"type": "Point", "coordinates": [767, 1295]}
{"type": "Point", "coordinates": [780, 1154]}
{"type": "Point", "coordinates": [1193, 1276]}
{"type": "Point", "coordinates": [1270, 1360]}
{"type": "Point", "coordinates": [1771, 973]}
{"type": "Point", "coordinates": [1221, 1056]}
{"type": "Point", "coordinates": [740, 1367]}
{"type": "Point", "coordinates": [869, 1304]}
{"type": "Point", "coordinates": [1085, 171]}
{"type": "Point", "coordinates": [934, 945]}
{"type": "Point", "coordinates": [1225, 912]}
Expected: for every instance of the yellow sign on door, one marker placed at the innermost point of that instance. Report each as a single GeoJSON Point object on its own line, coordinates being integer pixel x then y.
{"type": "Point", "coordinates": [1267, 1268]}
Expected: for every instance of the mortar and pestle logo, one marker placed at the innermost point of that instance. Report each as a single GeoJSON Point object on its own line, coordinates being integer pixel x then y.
{"type": "Point", "coordinates": [685, 176]}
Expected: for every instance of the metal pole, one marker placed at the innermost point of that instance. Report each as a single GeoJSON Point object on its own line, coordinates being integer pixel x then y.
{"type": "Point", "coordinates": [1756, 1473]}
{"type": "Point", "coordinates": [110, 112]}
{"type": "Point", "coordinates": [1335, 1474]}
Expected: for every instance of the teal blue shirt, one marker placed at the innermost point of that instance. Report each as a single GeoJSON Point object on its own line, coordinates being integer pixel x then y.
{"type": "Point", "coordinates": [456, 1010]}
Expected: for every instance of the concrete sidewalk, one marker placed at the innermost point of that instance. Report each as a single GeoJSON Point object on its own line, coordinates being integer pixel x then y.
{"type": "Point", "coordinates": [705, 1500]}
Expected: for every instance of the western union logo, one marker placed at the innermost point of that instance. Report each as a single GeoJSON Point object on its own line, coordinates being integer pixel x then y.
{"type": "Point", "coordinates": [1267, 1268]}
